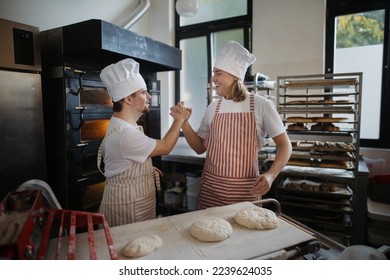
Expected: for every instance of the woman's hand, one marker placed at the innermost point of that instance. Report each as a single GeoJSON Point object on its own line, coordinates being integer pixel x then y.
{"type": "Point", "coordinates": [155, 169]}
{"type": "Point", "coordinates": [262, 185]}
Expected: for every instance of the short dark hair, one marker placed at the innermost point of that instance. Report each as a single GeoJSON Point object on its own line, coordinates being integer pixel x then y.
{"type": "Point", "coordinates": [118, 105]}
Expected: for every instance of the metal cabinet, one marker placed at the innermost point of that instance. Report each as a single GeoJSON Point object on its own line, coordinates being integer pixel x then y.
{"type": "Point", "coordinates": [321, 186]}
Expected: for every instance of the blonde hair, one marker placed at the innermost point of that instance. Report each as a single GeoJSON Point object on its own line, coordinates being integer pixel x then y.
{"type": "Point", "coordinates": [238, 91]}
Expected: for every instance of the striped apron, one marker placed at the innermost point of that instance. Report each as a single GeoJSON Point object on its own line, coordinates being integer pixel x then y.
{"type": "Point", "coordinates": [129, 197]}
{"type": "Point", "coordinates": [231, 165]}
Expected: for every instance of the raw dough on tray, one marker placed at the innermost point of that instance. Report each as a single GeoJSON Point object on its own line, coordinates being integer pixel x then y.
{"type": "Point", "coordinates": [256, 218]}
{"type": "Point", "coordinates": [213, 229]}
{"type": "Point", "coordinates": [142, 246]}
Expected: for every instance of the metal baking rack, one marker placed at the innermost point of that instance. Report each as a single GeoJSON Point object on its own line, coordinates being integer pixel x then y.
{"type": "Point", "coordinates": [27, 226]}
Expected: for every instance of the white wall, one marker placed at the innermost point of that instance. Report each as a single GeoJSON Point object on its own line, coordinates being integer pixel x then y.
{"type": "Point", "coordinates": [288, 37]}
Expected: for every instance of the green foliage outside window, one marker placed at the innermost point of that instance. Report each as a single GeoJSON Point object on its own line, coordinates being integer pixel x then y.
{"type": "Point", "coordinates": [361, 29]}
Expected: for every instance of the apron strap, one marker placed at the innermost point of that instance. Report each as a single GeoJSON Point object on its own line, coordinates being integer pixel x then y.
{"type": "Point", "coordinates": [100, 157]}
{"type": "Point", "coordinates": [157, 180]}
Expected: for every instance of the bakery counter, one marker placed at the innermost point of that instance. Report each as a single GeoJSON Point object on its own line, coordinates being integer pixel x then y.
{"type": "Point", "coordinates": [183, 159]}
{"type": "Point", "coordinates": [183, 155]}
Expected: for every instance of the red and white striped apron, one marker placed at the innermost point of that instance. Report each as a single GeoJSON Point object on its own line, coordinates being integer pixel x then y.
{"type": "Point", "coordinates": [231, 165]}
{"type": "Point", "coordinates": [129, 197]}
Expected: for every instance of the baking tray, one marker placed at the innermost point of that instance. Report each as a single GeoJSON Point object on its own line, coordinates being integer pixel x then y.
{"type": "Point", "coordinates": [319, 82]}
{"type": "Point", "coordinates": [342, 221]}
{"type": "Point", "coordinates": [320, 210]}
{"type": "Point", "coordinates": [342, 191]}
{"type": "Point", "coordinates": [316, 102]}
{"type": "Point", "coordinates": [322, 146]}
{"type": "Point", "coordinates": [321, 202]}
{"type": "Point", "coordinates": [328, 109]}
{"type": "Point", "coordinates": [321, 174]}
{"type": "Point", "coordinates": [347, 165]}
{"type": "Point", "coordinates": [322, 155]}
{"type": "Point", "coordinates": [322, 94]}
{"type": "Point", "coordinates": [178, 244]}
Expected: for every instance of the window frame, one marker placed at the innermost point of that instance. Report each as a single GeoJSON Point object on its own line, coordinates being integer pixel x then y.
{"type": "Point", "coordinates": [336, 8]}
{"type": "Point", "coordinates": [206, 29]}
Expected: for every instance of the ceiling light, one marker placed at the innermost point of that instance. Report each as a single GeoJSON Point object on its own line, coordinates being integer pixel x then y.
{"type": "Point", "coordinates": [187, 8]}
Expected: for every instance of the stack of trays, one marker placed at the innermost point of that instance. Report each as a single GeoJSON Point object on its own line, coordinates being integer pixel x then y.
{"type": "Point", "coordinates": [378, 211]}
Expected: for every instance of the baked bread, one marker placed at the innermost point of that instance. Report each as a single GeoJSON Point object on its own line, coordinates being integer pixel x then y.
{"type": "Point", "coordinates": [325, 119]}
{"type": "Point", "coordinates": [336, 164]}
{"type": "Point", "coordinates": [292, 186]}
{"type": "Point", "coordinates": [328, 187]}
{"type": "Point", "coordinates": [324, 127]}
{"type": "Point", "coordinates": [296, 126]}
{"type": "Point", "coordinates": [298, 119]}
{"type": "Point", "coordinates": [331, 127]}
{"type": "Point", "coordinates": [317, 127]}
{"type": "Point", "coordinates": [295, 102]}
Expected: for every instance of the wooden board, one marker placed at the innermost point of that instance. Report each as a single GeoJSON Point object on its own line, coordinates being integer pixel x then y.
{"type": "Point", "coordinates": [178, 244]}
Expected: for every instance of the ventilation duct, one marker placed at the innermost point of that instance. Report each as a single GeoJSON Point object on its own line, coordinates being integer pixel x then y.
{"type": "Point", "coordinates": [137, 14]}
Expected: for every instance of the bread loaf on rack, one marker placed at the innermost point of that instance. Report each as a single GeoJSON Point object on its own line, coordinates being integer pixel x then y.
{"type": "Point", "coordinates": [296, 126]}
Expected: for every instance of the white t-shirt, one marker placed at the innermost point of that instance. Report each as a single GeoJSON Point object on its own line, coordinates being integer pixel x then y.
{"type": "Point", "coordinates": [125, 144]}
{"type": "Point", "coordinates": [268, 120]}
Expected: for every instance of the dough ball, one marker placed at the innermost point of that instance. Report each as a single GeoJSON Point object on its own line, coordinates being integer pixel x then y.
{"type": "Point", "coordinates": [256, 218]}
{"type": "Point", "coordinates": [142, 246]}
{"type": "Point", "coordinates": [214, 229]}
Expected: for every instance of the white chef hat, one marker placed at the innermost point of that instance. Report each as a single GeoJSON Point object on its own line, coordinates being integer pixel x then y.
{"type": "Point", "coordinates": [122, 78]}
{"type": "Point", "coordinates": [234, 59]}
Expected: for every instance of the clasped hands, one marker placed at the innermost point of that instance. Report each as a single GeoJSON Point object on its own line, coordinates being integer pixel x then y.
{"type": "Point", "coordinates": [180, 110]}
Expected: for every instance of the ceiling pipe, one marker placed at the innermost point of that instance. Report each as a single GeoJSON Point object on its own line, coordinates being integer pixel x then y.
{"type": "Point", "coordinates": [137, 13]}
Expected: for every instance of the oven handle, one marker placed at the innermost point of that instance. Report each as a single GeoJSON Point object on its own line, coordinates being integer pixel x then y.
{"type": "Point", "coordinates": [267, 201]}
{"type": "Point", "coordinates": [82, 180]}
{"type": "Point", "coordinates": [81, 110]}
{"type": "Point", "coordinates": [82, 145]}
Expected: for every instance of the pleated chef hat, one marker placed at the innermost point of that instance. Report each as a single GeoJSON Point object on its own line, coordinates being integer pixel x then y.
{"type": "Point", "coordinates": [234, 59]}
{"type": "Point", "coordinates": [122, 78]}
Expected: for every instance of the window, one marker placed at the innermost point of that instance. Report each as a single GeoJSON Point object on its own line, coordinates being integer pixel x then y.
{"type": "Point", "coordinates": [356, 41]}
{"type": "Point", "coordinates": [200, 38]}
{"type": "Point", "coordinates": [216, 10]}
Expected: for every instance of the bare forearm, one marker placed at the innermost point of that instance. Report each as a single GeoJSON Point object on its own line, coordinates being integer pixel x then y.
{"type": "Point", "coordinates": [264, 182]}
{"type": "Point", "coordinates": [283, 153]}
{"type": "Point", "coordinates": [281, 158]}
{"type": "Point", "coordinates": [168, 142]}
{"type": "Point", "coordinates": [193, 138]}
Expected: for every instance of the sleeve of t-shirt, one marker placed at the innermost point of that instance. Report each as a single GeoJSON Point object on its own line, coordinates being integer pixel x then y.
{"type": "Point", "coordinates": [271, 120]}
{"type": "Point", "coordinates": [204, 127]}
{"type": "Point", "coordinates": [136, 146]}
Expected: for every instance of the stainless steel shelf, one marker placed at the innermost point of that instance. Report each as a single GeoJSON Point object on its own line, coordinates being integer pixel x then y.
{"type": "Point", "coordinates": [334, 102]}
